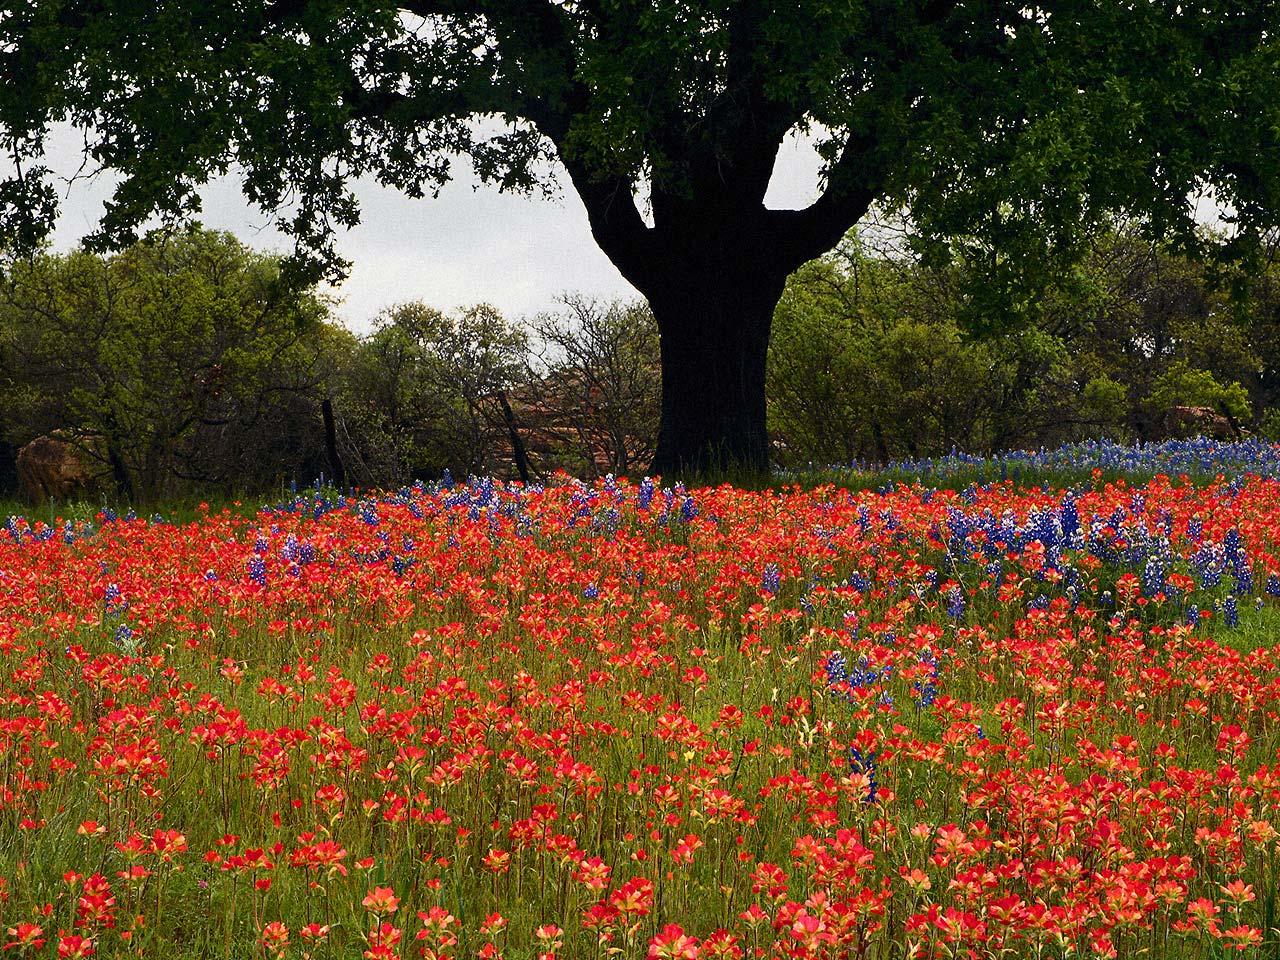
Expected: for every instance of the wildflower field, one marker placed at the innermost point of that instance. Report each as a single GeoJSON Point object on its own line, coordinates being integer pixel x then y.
{"type": "Point", "coordinates": [592, 720]}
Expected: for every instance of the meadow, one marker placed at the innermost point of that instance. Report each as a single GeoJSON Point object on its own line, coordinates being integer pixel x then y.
{"type": "Point", "coordinates": [947, 714]}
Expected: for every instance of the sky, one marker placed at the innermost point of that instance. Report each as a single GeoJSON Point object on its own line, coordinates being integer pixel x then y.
{"type": "Point", "coordinates": [472, 244]}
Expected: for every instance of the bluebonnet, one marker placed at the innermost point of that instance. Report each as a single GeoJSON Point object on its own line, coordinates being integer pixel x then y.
{"type": "Point", "coordinates": [771, 580]}
{"type": "Point", "coordinates": [113, 604]}
{"type": "Point", "coordinates": [842, 681]}
{"type": "Point", "coordinates": [591, 592]}
{"type": "Point", "coordinates": [1273, 585]}
{"type": "Point", "coordinates": [865, 764]}
{"type": "Point", "coordinates": [955, 603]}
{"type": "Point", "coordinates": [1230, 611]}
{"type": "Point", "coordinates": [369, 512]}
{"type": "Point", "coordinates": [644, 496]}
{"type": "Point", "coordinates": [1198, 457]}
{"type": "Point", "coordinates": [1195, 528]}
{"type": "Point", "coordinates": [608, 522]}
{"type": "Point", "coordinates": [1192, 618]}
{"type": "Point", "coordinates": [1208, 563]}
{"type": "Point", "coordinates": [927, 689]}
{"type": "Point", "coordinates": [258, 570]}
{"type": "Point", "coordinates": [1241, 569]}
{"type": "Point", "coordinates": [1154, 574]}
{"type": "Point", "coordinates": [1069, 516]}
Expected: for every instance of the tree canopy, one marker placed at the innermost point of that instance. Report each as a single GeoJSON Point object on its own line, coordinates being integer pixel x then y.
{"type": "Point", "coordinates": [1007, 127]}
{"type": "Point", "coordinates": [166, 358]}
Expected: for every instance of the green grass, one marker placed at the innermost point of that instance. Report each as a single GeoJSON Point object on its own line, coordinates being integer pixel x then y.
{"type": "Point", "coordinates": [1259, 630]}
{"type": "Point", "coordinates": [177, 510]}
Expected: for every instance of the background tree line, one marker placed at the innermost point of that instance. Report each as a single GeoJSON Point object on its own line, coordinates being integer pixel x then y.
{"type": "Point", "coordinates": [186, 365]}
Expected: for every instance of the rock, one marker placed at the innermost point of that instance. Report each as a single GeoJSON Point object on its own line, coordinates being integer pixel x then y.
{"type": "Point", "coordinates": [53, 468]}
{"type": "Point", "coordinates": [1181, 422]}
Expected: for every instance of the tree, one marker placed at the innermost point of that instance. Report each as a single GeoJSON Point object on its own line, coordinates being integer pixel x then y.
{"type": "Point", "coordinates": [869, 362]}
{"type": "Point", "coordinates": [1011, 125]}
{"type": "Point", "coordinates": [871, 358]}
{"type": "Point", "coordinates": [601, 380]}
{"type": "Point", "coordinates": [433, 387]}
{"type": "Point", "coordinates": [170, 355]}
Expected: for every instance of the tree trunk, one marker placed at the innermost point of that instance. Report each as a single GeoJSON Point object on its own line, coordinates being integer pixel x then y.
{"type": "Point", "coordinates": [518, 452]}
{"type": "Point", "coordinates": [714, 335]}
{"type": "Point", "coordinates": [120, 473]}
{"type": "Point", "coordinates": [331, 444]}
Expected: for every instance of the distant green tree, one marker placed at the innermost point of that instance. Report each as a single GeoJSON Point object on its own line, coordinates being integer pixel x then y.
{"type": "Point", "coordinates": [152, 350]}
{"type": "Point", "coordinates": [1010, 129]}
{"type": "Point", "coordinates": [873, 355]}
{"type": "Point", "coordinates": [869, 360]}
{"type": "Point", "coordinates": [431, 388]}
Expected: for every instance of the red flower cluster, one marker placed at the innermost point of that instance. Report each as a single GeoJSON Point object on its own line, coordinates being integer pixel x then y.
{"type": "Point", "coordinates": [580, 721]}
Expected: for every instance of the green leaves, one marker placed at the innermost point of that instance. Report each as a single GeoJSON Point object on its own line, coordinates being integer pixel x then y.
{"type": "Point", "coordinates": [1000, 126]}
{"type": "Point", "coordinates": [149, 347]}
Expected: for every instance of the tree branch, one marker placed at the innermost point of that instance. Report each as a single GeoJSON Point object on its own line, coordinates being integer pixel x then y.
{"type": "Point", "coordinates": [853, 183]}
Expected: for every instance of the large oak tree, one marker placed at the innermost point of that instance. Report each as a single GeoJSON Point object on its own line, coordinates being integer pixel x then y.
{"type": "Point", "coordinates": [1013, 124]}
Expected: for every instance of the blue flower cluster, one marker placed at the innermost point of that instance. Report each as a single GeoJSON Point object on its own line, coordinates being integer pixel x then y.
{"type": "Point", "coordinates": [1133, 538]}
{"type": "Point", "coordinates": [842, 680]}
{"type": "Point", "coordinates": [1200, 457]}
{"type": "Point", "coordinates": [927, 689]}
{"type": "Point", "coordinates": [865, 764]}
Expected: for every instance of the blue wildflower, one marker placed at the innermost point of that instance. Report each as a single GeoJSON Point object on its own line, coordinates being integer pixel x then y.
{"type": "Point", "coordinates": [771, 581]}
{"type": "Point", "coordinates": [861, 763]}
{"type": "Point", "coordinates": [258, 570]}
{"type": "Point", "coordinates": [1231, 611]}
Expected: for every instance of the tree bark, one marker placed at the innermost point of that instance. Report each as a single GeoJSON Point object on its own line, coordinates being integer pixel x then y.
{"type": "Point", "coordinates": [331, 444]}
{"type": "Point", "coordinates": [714, 327]}
{"type": "Point", "coordinates": [518, 452]}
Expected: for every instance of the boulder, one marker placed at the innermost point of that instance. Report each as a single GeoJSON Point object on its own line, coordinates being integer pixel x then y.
{"type": "Point", "coordinates": [1183, 422]}
{"type": "Point", "coordinates": [56, 468]}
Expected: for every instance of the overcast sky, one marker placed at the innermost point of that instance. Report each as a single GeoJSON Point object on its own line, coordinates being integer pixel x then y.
{"type": "Point", "coordinates": [471, 244]}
